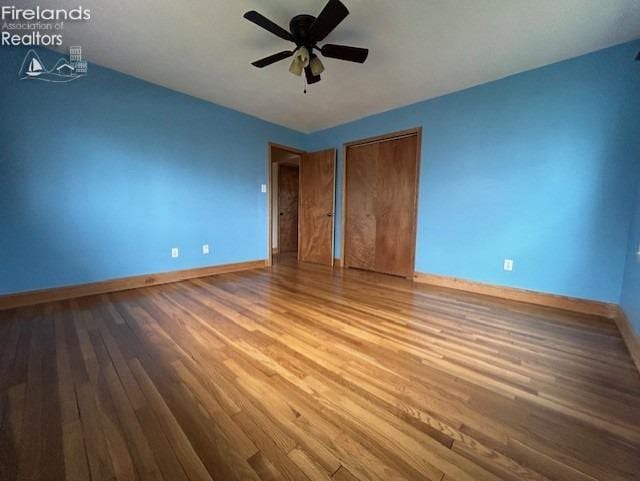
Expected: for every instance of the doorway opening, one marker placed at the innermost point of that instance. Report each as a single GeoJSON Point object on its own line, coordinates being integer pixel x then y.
{"type": "Point", "coordinates": [301, 205]}
{"type": "Point", "coordinates": [285, 200]}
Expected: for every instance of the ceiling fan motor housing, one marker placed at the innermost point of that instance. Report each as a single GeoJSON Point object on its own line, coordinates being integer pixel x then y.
{"type": "Point", "coordinates": [300, 27]}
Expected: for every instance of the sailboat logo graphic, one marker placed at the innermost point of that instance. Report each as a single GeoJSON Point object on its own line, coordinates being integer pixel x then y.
{"type": "Point", "coordinates": [35, 68]}
{"type": "Point", "coordinates": [63, 71]}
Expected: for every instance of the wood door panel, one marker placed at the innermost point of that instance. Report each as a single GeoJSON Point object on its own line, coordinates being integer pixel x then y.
{"type": "Point", "coordinates": [380, 205]}
{"type": "Point", "coordinates": [288, 208]}
{"type": "Point", "coordinates": [317, 196]}
{"type": "Point", "coordinates": [360, 215]}
{"type": "Point", "coordinates": [395, 236]}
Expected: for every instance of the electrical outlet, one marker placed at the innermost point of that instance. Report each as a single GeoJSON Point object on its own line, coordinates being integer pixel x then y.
{"type": "Point", "coordinates": [263, 188]}
{"type": "Point", "coordinates": [175, 252]}
{"type": "Point", "coordinates": [205, 249]}
{"type": "Point", "coordinates": [508, 265]}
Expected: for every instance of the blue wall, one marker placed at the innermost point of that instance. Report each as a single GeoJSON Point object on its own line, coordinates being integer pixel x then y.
{"type": "Point", "coordinates": [536, 167]}
{"type": "Point", "coordinates": [630, 299]}
{"type": "Point", "coordinates": [101, 177]}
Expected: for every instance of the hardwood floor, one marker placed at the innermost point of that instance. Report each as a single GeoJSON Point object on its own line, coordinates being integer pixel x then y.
{"type": "Point", "coordinates": [304, 373]}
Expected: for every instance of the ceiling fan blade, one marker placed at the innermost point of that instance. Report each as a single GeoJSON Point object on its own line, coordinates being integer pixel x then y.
{"type": "Point", "coordinates": [311, 79]}
{"type": "Point", "coordinates": [343, 52]}
{"type": "Point", "coordinates": [638, 57]}
{"type": "Point", "coordinates": [276, 57]}
{"type": "Point", "coordinates": [268, 25]}
{"type": "Point", "coordinates": [332, 14]}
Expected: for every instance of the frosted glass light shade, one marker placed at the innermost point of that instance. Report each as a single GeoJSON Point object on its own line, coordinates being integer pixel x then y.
{"type": "Point", "coordinates": [316, 66]}
{"type": "Point", "coordinates": [300, 61]}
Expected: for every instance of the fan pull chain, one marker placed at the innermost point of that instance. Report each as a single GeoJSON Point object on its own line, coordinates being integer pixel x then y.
{"type": "Point", "coordinates": [305, 85]}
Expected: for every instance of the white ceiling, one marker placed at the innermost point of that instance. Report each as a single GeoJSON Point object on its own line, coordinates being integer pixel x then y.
{"type": "Point", "coordinates": [419, 49]}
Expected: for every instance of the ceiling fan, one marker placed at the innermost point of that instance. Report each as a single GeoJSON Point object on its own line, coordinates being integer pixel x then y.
{"type": "Point", "coordinates": [306, 31]}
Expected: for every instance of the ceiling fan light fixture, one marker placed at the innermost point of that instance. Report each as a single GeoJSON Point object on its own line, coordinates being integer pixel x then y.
{"type": "Point", "coordinates": [316, 65]}
{"type": "Point", "coordinates": [305, 31]}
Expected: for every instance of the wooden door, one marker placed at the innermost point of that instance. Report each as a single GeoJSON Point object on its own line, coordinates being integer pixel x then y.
{"type": "Point", "coordinates": [380, 205]}
{"type": "Point", "coordinates": [396, 206]}
{"type": "Point", "coordinates": [317, 204]}
{"type": "Point", "coordinates": [287, 208]}
{"type": "Point", "coordinates": [360, 218]}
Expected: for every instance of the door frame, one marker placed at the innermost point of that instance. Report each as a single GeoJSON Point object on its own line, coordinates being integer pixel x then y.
{"type": "Point", "coordinates": [293, 150]}
{"type": "Point", "coordinates": [417, 132]}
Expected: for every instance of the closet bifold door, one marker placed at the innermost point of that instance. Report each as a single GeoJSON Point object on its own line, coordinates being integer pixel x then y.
{"type": "Point", "coordinates": [380, 205]}
{"type": "Point", "coordinates": [360, 214]}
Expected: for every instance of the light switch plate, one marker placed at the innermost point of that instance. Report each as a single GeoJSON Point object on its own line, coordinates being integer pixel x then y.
{"type": "Point", "coordinates": [175, 252]}
{"type": "Point", "coordinates": [205, 248]}
{"type": "Point", "coordinates": [263, 188]}
{"type": "Point", "coordinates": [508, 265]}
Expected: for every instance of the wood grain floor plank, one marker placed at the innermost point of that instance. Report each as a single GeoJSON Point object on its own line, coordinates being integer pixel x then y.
{"type": "Point", "coordinates": [189, 459]}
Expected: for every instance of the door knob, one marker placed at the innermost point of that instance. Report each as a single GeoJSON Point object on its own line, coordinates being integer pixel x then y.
{"type": "Point", "coordinates": [281, 213]}
{"type": "Point", "coordinates": [330, 214]}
